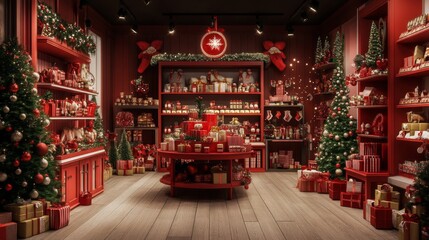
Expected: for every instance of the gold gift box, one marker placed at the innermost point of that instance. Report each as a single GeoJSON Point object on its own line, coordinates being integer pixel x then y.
{"type": "Point", "coordinates": [20, 212]}
{"type": "Point", "coordinates": [139, 170]}
{"type": "Point", "coordinates": [128, 172]}
{"type": "Point", "coordinates": [25, 228]}
{"type": "Point", "coordinates": [383, 195]}
{"type": "Point", "coordinates": [40, 224]}
{"type": "Point", "coordinates": [219, 178]}
{"type": "Point", "coordinates": [389, 204]}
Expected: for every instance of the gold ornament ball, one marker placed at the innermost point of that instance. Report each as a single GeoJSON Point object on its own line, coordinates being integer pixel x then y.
{"type": "Point", "coordinates": [338, 172]}
{"type": "Point", "coordinates": [13, 98]}
{"type": "Point", "coordinates": [3, 177]}
{"type": "Point", "coordinates": [47, 181]}
{"type": "Point", "coordinates": [34, 91]}
{"type": "Point", "coordinates": [34, 194]}
{"type": "Point", "coordinates": [44, 163]}
{"type": "Point", "coordinates": [22, 116]}
{"type": "Point", "coordinates": [6, 109]}
{"type": "Point", "coordinates": [46, 122]}
{"type": "Point", "coordinates": [337, 137]}
{"type": "Point", "coordinates": [18, 171]}
{"type": "Point", "coordinates": [24, 184]}
{"type": "Point", "coordinates": [2, 157]}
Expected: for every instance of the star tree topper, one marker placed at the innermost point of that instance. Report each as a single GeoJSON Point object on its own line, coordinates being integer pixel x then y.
{"type": "Point", "coordinates": [213, 44]}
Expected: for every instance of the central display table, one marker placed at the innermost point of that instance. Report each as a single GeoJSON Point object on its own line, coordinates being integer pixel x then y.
{"type": "Point", "coordinates": [228, 157]}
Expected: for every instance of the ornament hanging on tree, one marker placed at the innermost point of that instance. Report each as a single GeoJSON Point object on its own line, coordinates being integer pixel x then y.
{"type": "Point", "coordinates": [36, 76]}
{"type": "Point", "coordinates": [18, 171]}
{"type": "Point", "coordinates": [338, 172]}
{"type": "Point", "coordinates": [2, 125]}
{"type": "Point", "coordinates": [47, 181]}
{"type": "Point", "coordinates": [34, 91]}
{"type": "Point", "coordinates": [16, 163]}
{"type": "Point", "coordinates": [14, 88]}
{"type": "Point", "coordinates": [22, 116]}
{"type": "Point", "coordinates": [55, 191]}
{"type": "Point", "coordinates": [2, 158]}
{"type": "Point", "coordinates": [3, 176]}
{"type": "Point", "coordinates": [36, 113]}
{"type": "Point", "coordinates": [8, 187]}
{"type": "Point", "coordinates": [34, 194]}
{"type": "Point", "coordinates": [42, 149]}
{"type": "Point", "coordinates": [44, 163]}
{"type": "Point", "coordinates": [46, 122]}
{"type": "Point", "coordinates": [38, 178]}
{"type": "Point", "coordinates": [6, 109]}
{"type": "Point", "coordinates": [26, 156]}
{"type": "Point", "coordinates": [24, 184]}
{"type": "Point", "coordinates": [13, 98]}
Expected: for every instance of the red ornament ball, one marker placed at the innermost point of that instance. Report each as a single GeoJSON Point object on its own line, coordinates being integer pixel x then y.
{"type": "Point", "coordinates": [334, 114]}
{"type": "Point", "coordinates": [192, 170]}
{"type": "Point", "coordinates": [338, 108]}
{"type": "Point", "coordinates": [331, 135]}
{"type": "Point", "coordinates": [8, 129]}
{"type": "Point", "coordinates": [26, 156]}
{"type": "Point", "coordinates": [337, 165]}
{"type": "Point", "coordinates": [246, 187]}
{"type": "Point", "coordinates": [42, 149]}
{"type": "Point", "coordinates": [36, 113]}
{"type": "Point", "coordinates": [16, 163]}
{"type": "Point", "coordinates": [350, 133]}
{"type": "Point", "coordinates": [8, 187]}
{"type": "Point", "coordinates": [14, 88]}
{"type": "Point", "coordinates": [38, 178]}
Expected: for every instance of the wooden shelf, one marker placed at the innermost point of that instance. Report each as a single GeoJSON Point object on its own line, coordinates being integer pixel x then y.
{"type": "Point", "coordinates": [367, 174]}
{"type": "Point", "coordinates": [283, 106]}
{"type": "Point", "coordinates": [420, 36]}
{"type": "Point", "coordinates": [370, 106]}
{"type": "Point", "coordinates": [137, 128]}
{"type": "Point", "coordinates": [211, 93]}
{"type": "Point", "coordinates": [71, 118]}
{"type": "Point", "coordinates": [415, 105]}
{"type": "Point", "coordinates": [373, 78]}
{"type": "Point", "coordinates": [422, 72]}
{"type": "Point", "coordinates": [63, 88]}
{"type": "Point", "coordinates": [400, 181]}
{"type": "Point", "coordinates": [326, 66]}
{"type": "Point", "coordinates": [140, 107]}
{"type": "Point", "coordinates": [222, 114]}
{"type": "Point", "coordinates": [372, 136]}
{"type": "Point", "coordinates": [411, 140]}
{"type": "Point", "coordinates": [56, 48]}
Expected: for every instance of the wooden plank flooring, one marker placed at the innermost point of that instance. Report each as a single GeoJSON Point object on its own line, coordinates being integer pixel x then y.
{"type": "Point", "coordinates": [139, 207]}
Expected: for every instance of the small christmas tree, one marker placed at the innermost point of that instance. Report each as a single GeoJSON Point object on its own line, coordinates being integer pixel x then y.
{"type": "Point", "coordinates": [326, 55]}
{"type": "Point", "coordinates": [338, 140]}
{"type": "Point", "coordinates": [375, 50]}
{"type": "Point", "coordinates": [27, 166]}
{"type": "Point", "coordinates": [98, 127]}
{"type": "Point", "coordinates": [113, 151]}
{"type": "Point", "coordinates": [319, 53]}
{"type": "Point", "coordinates": [124, 148]}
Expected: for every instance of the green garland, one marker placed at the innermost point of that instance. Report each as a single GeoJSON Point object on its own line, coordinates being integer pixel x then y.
{"type": "Point", "coordinates": [189, 57]}
{"type": "Point", "coordinates": [54, 26]}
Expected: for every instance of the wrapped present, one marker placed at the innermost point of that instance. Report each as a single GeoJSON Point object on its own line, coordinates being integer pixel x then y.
{"type": "Point", "coordinates": [312, 175]}
{"type": "Point", "coordinates": [128, 172]}
{"type": "Point", "coordinates": [409, 227]}
{"type": "Point", "coordinates": [5, 217]}
{"type": "Point", "coordinates": [211, 119]}
{"type": "Point", "coordinates": [219, 178]}
{"type": "Point", "coordinates": [20, 212]}
{"type": "Point", "coordinates": [138, 170]}
{"type": "Point", "coordinates": [8, 231]}
{"type": "Point", "coordinates": [124, 164]}
{"type": "Point", "coordinates": [40, 224]}
{"type": "Point", "coordinates": [367, 204]}
{"type": "Point", "coordinates": [389, 204]}
{"type": "Point", "coordinates": [381, 217]}
{"type": "Point", "coordinates": [46, 205]}
{"type": "Point", "coordinates": [386, 195]}
{"type": "Point", "coordinates": [59, 216]}
{"type": "Point", "coordinates": [187, 126]}
{"type": "Point", "coordinates": [322, 185]}
{"type": "Point", "coordinates": [306, 185]}
{"type": "Point", "coordinates": [335, 187]}
{"type": "Point", "coordinates": [353, 186]}
{"type": "Point", "coordinates": [85, 199]}
{"type": "Point", "coordinates": [38, 208]}
{"type": "Point", "coordinates": [349, 199]}
{"type": "Point", "coordinates": [397, 217]}
{"type": "Point", "coordinates": [25, 228]}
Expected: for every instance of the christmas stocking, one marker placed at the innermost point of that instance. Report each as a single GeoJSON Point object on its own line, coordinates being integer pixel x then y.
{"type": "Point", "coordinates": [269, 115]}
{"type": "Point", "coordinates": [298, 116]}
{"type": "Point", "coordinates": [278, 114]}
{"type": "Point", "coordinates": [287, 116]}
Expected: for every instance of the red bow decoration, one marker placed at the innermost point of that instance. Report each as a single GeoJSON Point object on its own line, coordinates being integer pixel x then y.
{"type": "Point", "coordinates": [148, 50]}
{"type": "Point", "coordinates": [276, 54]}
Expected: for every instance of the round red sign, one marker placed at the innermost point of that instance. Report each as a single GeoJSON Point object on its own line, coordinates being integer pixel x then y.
{"type": "Point", "coordinates": [213, 44]}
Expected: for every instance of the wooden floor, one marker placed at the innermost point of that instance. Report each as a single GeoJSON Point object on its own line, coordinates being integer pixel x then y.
{"type": "Point", "coordinates": [139, 207]}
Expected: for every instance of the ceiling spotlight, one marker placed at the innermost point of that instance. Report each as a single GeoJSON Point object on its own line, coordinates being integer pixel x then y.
{"type": "Point", "coordinates": [147, 2]}
{"type": "Point", "coordinates": [259, 26]}
{"type": "Point", "coordinates": [122, 14]}
{"type": "Point", "coordinates": [290, 31]}
{"type": "Point", "coordinates": [171, 26]}
{"type": "Point", "coordinates": [304, 16]}
{"type": "Point", "coordinates": [313, 6]}
{"type": "Point", "coordinates": [134, 28]}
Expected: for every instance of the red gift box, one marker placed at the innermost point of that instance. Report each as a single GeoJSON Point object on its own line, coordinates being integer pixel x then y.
{"type": "Point", "coordinates": [85, 199]}
{"type": "Point", "coordinates": [321, 185]}
{"type": "Point", "coordinates": [381, 217]}
{"type": "Point", "coordinates": [8, 231]}
{"type": "Point", "coordinates": [211, 119]}
{"type": "Point", "coordinates": [190, 125]}
{"type": "Point", "coordinates": [306, 185]}
{"type": "Point", "coordinates": [59, 216]}
{"type": "Point", "coordinates": [335, 188]}
{"type": "Point", "coordinates": [5, 217]}
{"type": "Point", "coordinates": [353, 200]}
{"type": "Point", "coordinates": [91, 109]}
{"type": "Point", "coordinates": [124, 164]}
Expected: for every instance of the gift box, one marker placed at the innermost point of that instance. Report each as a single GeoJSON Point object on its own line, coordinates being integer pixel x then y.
{"type": "Point", "coordinates": [128, 172]}
{"type": "Point", "coordinates": [40, 224]}
{"type": "Point", "coordinates": [322, 186]}
{"type": "Point", "coordinates": [306, 185]}
{"type": "Point", "coordinates": [138, 170]}
{"type": "Point", "coordinates": [386, 195]}
{"type": "Point", "coordinates": [25, 228]}
{"type": "Point", "coordinates": [59, 216]}
{"type": "Point", "coordinates": [353, 186]}
{"type": "Point", "coordinates": [389, 204]}
{"type": "Point", "coordinates": [8, 231]}
{"type": "Point", "coordinates": [85, 199]}
{"type": "Point", "coordinates": [219, 178]}
{"type": "Point", "coordinates": [349, 199]}
{"type": "Point", "coordinates": [367, 204]}
{"type": "Point", "coordinates": [124, 164]}
{"type": "Point", "coordinates": [5, 217]}
{"type": "Point", "coordinates": [381, 217]}
{"type": "Point", "coordinates": [408, 230]}
{"type": "Point", "coordinates": [397, 217]}
{"type": "Point", "coordinates": [20, 212]}
{"type": "Point", "coordinates": [335, 188]}
{"type": "Point", "coordinates": [38, 208]}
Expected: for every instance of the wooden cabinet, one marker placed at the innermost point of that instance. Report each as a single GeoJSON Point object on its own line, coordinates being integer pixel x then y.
{"type": "Point", "coordinates": [70, 178]}
{"type": "Point", "coordinates": [182, 82]}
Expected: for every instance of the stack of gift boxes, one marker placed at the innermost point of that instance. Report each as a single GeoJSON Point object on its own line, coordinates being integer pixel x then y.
{"type": "Point", "coordinates": [125, 167]}
{"type": "Point", "coordinates": [144, 157]}
{"type": "Point", "coordinates": [370, 158]}
{"type": "Point", "coordinates": [352, 197]}
{"type": "Point", "coordinates": [283, 159]}
{"type": "Point", "coordinates": [31, 219]}
{"type": "Point", "coordinates": [108, 170]}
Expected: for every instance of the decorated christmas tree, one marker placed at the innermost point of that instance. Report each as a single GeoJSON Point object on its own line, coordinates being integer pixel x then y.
{"type": "Point", "coordinates": [113, 151]}
{"type": "Point", "coordinates": [100, 139]}
{"type": "Point", "coordinates": [326, 54]}
{"type": "Point", "coordinates": [319, 52]}
{"type": "Point", "coordinates": [27, 166]}
{"type": "Point", "coordinates": [124, 148]}
{"type": "Point", "coordinates": [375, 50]}
{"type": "Point", "coordinates": [338, 140]}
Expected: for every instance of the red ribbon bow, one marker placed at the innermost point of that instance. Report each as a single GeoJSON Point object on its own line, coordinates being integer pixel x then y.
{"type": "Point", "coordinates": [276, 54]}
{"type": "Point", "coordinates": [148, 50]}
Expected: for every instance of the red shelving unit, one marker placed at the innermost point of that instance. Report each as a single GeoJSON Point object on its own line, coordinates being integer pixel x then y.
{"type": "Point", "coordinates": [373, 78]}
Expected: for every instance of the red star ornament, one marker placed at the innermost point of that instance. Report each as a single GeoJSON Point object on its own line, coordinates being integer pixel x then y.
{"type": "Point", "coordinates": [213, 44]}
{"type": "Point", "coordinates": [148, 50]}
{"type": "Point", "coordinates": [274, 50]}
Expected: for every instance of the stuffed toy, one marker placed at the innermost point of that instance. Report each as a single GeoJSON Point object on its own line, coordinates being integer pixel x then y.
{"type": "Point", "coordinates": [148, 50]}
{"type": "Point", "coordinates": [274, 50]}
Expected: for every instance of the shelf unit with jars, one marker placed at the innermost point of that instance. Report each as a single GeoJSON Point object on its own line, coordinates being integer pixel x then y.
{"type": "Point", "coordinates": [181, 83]}
{"type": "Point", "coordinates": [81, 171]}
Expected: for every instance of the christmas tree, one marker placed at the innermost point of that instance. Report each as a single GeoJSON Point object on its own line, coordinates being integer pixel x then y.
{"type": "Point", "coordinates": [319, 53]}
{"type": "Point", "coordinates": [338, 140]}
{"type": "Point", "coordinates": [113, 151]}
{"type": "Point", "coordinates": [124, 148]}
{"type": "Point", "coordinates": [326, 54]}
{"type": "Point", "coordinates": [375, 51]}
{"type": "Point", "coordinates": [27, 166]}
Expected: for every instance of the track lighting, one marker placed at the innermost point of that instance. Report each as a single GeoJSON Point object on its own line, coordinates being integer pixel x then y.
{"type": "Point", "coordinates": [304, 16]}
{"type": "Point", "coordinates": [134, 28]}
{"type": "Point", "coordinates": [290, 31]}
{"type": "Point", "coordinates": [259, 26]}
{"type": "Point", "coordinates": [313, 6]}
{"type": "Point", "coordinates": [171, 26]}
{"type": "Point", "coordinates": [122, 14]}
{"type": "Point", "coordinates": [147, 2]}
